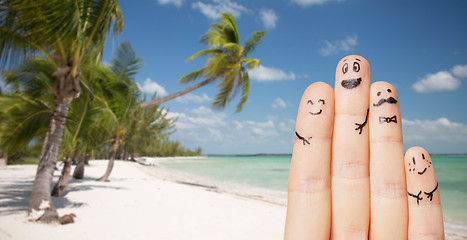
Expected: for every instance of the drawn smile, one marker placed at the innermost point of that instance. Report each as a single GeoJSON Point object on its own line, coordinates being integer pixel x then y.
{"type": "Point", "coordinates": [422, 172]}
{"type": "Point", "coordinates": [389, 100]}
{"type": "Point", "coordinates": [320, 111]}
{"type": "Point", "coordinates": [351, 83]}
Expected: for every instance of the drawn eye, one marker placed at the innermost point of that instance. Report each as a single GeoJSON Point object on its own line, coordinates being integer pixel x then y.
{"type": "Point", "coordinates": [345, 68]}
{"type": "Point", "coordinates": [389, 90]}
{"type": "Point", "coordinates": [310, 102]}
{"type": "Point", "coordinates": [356, 67]}
{"type": "Point", "coordinates": [321, 100]}
{"type": "Point", "coordinates": [378, 94]}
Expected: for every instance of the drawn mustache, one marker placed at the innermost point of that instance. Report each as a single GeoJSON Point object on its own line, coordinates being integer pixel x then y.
{"type": "Point", "coordinates": [388, 100]}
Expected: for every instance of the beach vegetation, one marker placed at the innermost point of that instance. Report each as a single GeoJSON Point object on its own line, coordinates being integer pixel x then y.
{"type": "Point", "coordinates": [228, 63]}
{"type": "Point", "coordinates": [67, 33]}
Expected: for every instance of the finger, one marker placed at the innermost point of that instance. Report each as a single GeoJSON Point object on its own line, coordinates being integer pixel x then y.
{"type": "Point", "coordinates": [350, 151]}
{"type": "Point", "coordinates": [425, 214]}
{"type": "Point", "coordinates": [309, 192]}
{"type": "Point", "coordinates": [387, 172]}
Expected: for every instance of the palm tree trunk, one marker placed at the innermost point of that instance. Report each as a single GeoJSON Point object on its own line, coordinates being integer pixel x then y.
{"type": "Point", "coordinates": [79, 169]}
{"type": "Point", "coordinates": [3, 161]}
{"type": "Point", "coordinates": [111, 161]}
{"type": "Point", "coordinates": [40, 196]}
{"type": "Point", "coordinates": [180, 93]}
{"type": "Point", "coordinates": [60, 186]}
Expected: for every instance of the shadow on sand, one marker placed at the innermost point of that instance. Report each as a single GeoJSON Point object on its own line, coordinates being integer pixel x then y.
{"type": "Point", "coordinates": [14, 198]}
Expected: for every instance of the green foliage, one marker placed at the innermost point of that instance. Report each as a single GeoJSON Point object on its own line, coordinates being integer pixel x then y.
{"type": "Point", "coordinates": [112, 111]}
{"type": "Point", "coordinates": [63, 30]}
{"type": "Point", "coordinates": [149, 133]}
{"type": "Point", "coordinates": [228, 61]}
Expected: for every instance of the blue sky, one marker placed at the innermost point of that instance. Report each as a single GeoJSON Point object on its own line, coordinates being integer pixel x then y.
{"type": "Point", "coordinates": [418, 46]}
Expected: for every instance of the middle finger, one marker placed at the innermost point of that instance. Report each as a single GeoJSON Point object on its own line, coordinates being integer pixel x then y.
{"type": "Point", "coordinates": [350, 150]}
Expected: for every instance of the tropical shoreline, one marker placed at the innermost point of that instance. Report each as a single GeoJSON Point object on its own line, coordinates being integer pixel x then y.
{"type": "Point", "coordinates": [140, 202]}
{"type": "Point", "coordinates": [135, 205]}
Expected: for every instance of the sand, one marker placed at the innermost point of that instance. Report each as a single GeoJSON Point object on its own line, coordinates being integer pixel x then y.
{"type": "Point", "coordinates": [135, 205]}
{"type": "Point", "coordinates": [139, 203]}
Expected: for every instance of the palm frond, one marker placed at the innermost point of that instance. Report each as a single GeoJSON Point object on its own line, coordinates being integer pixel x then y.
{"type": "Point", "coordinates": [213, 38]}
{"type": "Point", "coordinates": [230, 28]}
{"type": "Point", "coordinates": [125, 64]}
{"type": "Point", "coordinates": [226, 89]}
{"type": "Point", "coordinates": [251, 63]}
{"type": "Point", "coordinates": [224, 31]}
{"type": "Point", "coordinates": [253, 41]}
{"type": "Point", "coordinates": [14, 48]}
{"type": "Point", "coordinates": [245, 84]}
{"type": "Point", "coordinates": [210, 51]}
{"type": "Point", "coordinates": [191, 76]}
{"type": "Point", "coordinates": [99, 18]}
{"type": "Point", "coordinates": [232, 47]}
{"type": "Point", "coordinates": [33, 78]}
{"type": "Point", "coordinates": [22, 122]}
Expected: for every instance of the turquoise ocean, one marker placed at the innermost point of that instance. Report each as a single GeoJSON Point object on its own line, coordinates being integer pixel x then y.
{"type": "Point", "coordinates": [269, 174]}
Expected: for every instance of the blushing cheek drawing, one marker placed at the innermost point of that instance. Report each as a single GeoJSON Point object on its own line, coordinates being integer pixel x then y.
{"type": "Point", "coordinates": [316, 108]}
{"type": "Point", "coordinates": [420, 167]}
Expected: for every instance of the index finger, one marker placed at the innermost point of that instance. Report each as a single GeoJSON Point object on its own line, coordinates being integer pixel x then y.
{"type": "Point", "coordinates": [309, 191]}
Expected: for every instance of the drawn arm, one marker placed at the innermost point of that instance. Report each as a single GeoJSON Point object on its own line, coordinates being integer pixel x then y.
{"type": "Point", "coordinates": [303, 139]}
{"type": "Point", "coordinates": [430, 194]}
{"type": "Point", "coordinates": [416, 196]}
{"type": "Point", "coordinates": [360, 126]}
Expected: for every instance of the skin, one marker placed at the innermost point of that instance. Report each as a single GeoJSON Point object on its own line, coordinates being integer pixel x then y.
{"type": "Point", "coordinates": [351, 185]}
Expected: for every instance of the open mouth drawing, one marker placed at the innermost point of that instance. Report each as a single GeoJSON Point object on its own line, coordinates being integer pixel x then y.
{"type": "Point", "coordinates": [351, 83]}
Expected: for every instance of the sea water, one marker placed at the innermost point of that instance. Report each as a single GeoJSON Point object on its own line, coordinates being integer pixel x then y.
{"type": "Point", "coordinates": [265, 173]}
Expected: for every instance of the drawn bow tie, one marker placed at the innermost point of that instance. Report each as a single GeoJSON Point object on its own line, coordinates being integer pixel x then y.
{"type": "Point", "coordinates": [388, 119]}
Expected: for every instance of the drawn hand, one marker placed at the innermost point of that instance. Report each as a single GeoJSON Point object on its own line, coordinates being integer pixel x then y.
{"type": "Point", "coordinates": [349, 184]}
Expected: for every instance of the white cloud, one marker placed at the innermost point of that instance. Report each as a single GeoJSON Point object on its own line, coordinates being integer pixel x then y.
{"type": "Point", "coordinates": [267, 74]}
{"type": "Point", "coordinates": [335, 47]}
{"type": "Point", "coordinates": [192, 98]}
{"type": "Point", "coordinates": [438, 82]}
{"type": "Point", "coordinates": [279, 103]}
{"type": "Point", "coordinates": [460, 71]}
{"type": "Point", "coordinates": [269, 18]}
{"type": "Point", "coordinates": [307, 3]}
{"type": "Point", "coordinates": [216, 132]}
{"type": "Point", "coordinates": [287, 125]}
{"type": "Point", "coordinates": [213, 10]}
{"type": "Point", "coordinates": [437, 136]}
{"type": "Point", "coordinates": [150, 87]}
{"type": "Point", "coordinates": [177, 3]}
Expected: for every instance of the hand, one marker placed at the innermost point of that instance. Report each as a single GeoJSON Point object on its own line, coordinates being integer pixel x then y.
{"type": "Point", "coordinates": [348, 177]}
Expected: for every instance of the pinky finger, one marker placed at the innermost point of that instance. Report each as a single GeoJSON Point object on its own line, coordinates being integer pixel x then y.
{"type": "Point", "coordinates": [425, 214]}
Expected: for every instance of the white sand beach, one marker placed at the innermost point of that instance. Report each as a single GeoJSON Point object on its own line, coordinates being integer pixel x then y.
{"type": "Point", "coordinates": [137, 203]}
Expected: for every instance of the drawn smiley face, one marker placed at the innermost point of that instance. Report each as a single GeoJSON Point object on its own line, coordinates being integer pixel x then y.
{"type": "Point", "coordinates": [389, 100]}
{"type": "Point", "coordinates": [316, 110]}
{"type": "Point", "coordinates": [355, 67]}
{"type": "Point", "coordinates": [419, 166]}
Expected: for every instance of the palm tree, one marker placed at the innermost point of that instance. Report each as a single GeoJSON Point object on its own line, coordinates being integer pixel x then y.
{"type": "Point", "coordinates": [65, 32]}
{"type": "Point", "coordinates": [228, 63]}
{"type": "Point", "coordinates": [121, 94]}
{"type": "Point", "coordinates": [26, 110]}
